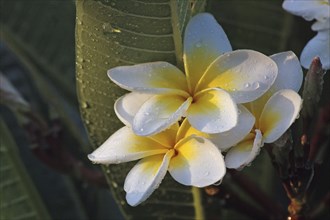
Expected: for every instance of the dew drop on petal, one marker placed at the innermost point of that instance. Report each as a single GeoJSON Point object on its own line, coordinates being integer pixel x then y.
{"type": "Point", "coordinates": [255, 85]}
{"type": "Point", "coordinates": [247, 85]}
{"type": "Point", "coordinates": [217, 183]}
{"type": "Point", "coordinates": [199, 44]}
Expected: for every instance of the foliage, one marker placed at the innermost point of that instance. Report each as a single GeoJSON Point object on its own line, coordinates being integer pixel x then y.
{"type": "Point", "coordinates": [111, 33]}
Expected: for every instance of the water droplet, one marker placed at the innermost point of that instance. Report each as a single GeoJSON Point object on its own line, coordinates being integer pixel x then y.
{"type": "Point", "coordinates": [199, 44]}
{"type": "Point", "coordinates": [206, 173]}
{"type": "Point", "coordinates": [255, 85]}
{"type": "Point", "coordinates": [247, 85]}
{"type": "Point", "coordinates": [114, 184]}
{"type": "Point", "coordinates": [84, 105]}
{"type": "Point", "coordinates": [141, 129]}
{"type": "Point", "coordinates": [266, 77]}
{"type": "Point", "coordinates": [217, 183]}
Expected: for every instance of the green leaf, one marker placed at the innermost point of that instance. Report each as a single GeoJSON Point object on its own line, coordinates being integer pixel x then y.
{"type": "Point", "coordinates": [19, 198]}
{"type": "Point", "coordinates": [47, 53]}
{"type": "Point", "coordinates": [113, 33]}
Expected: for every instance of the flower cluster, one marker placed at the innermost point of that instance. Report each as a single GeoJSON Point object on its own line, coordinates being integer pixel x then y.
{"type": "Point", "coordinates": [318, 46]}
{"type": "Point", "coordinates": [226, 103]}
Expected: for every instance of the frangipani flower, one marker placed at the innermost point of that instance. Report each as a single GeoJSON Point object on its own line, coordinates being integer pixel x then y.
{"type": "Point", "coordinates": [275, 111]}
{"type": "Point", "coordinates": [227, 139]}
{"type": "Point", "coordinates": [319, 45]}
{"type": "Point", "coordinates": [191, 160]}
{"type": "Point", "coordinates": [310, 9]}
{"type": "Point", "coordinates": [206, 95]}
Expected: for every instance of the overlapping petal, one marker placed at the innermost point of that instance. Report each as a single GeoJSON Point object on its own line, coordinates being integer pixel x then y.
{"type": "Point", "coordinates": [311, 9]}
{"type": "Point", "coordinates": [245, 74]}
{"type": "Point", "coordinates": [290, 75]}
{"type": "Point", "coordinates": [145, 177]}
{"type": "Point", "coordinates": [158, 113]}
{"type": "Point", "coordinates": [244, 153]}
{"type": "Point", "coordinates": [279, 113]}
{"type": "Point", "coordinates": [155, 77]}
{"type": "Point", "coordinates": [213, 111]}
{"type": "Point", "coordinates": [321, 25]}
{"type": "Point", "coordinates": [204, 41]}
{"type": "Point", "coordinates": [318, 46]}
{"type": "Point", "coordinates": [124, 146]}
{"type": "Point", "coordinates": [198, 162]}
{"type": "Point", "coordinates": [226, 139]}
{"type": "Point", "coordinates": [167, 138]}
{"type": "Point", "coordinates": [128, 105]}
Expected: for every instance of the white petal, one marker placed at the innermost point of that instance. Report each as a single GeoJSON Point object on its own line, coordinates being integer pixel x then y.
{"type": "Point", "coordinates": [230, 138]}
{"type": "Point", "coordinates": [145, 177]}
{"type": "Point", "coordinates": [159, 113]}
{"type": "Point", "coordinates": [311, 9]}
{"type": "Point", "coordinates": [226, 139]}
{"type": "Point", "coordinates": [124, 146]}
{"type": "Point", "coordinates": [198, 162]}
{"type": "Point", "coordinates": [318, 46]}
{"type": "Point", "coordinates": [321, 25]}
{"type": "Point", "coordinates": [204, 41]}
{"type": "Point", "coordinates": [213, 111]}
{"type": "Point", "coordinates": [244, 153]}
{"type": "Point", "coordinates": [245, 74]}
{"type": "Point", "coordinates": [290, 75]}
{"type": "Point", "coordinates": [279, 113]}
{"type": "Point", "coordinates": [128, 105]}
{"type": "Point", "coordinates": [156, 78]}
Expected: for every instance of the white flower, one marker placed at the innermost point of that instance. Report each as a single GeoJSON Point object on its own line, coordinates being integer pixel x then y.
{"type": "Point", "coordinates": [320, 44]}
{"type": "Point", "coordinates": [191, 160]}
{"type": "Point", "coordinates": [206, 95]}
{"type": "Point", "coordinates": [274, 112]}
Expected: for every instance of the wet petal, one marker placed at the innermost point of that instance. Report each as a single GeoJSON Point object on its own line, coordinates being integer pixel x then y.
{"type": "Point", "coordinates": [198, 162]}
{"type": "Point", "coordinates": [159, 113]}
{"type": "Point", "coordinates": [290, 75]}
{"type": "Point", "coordinates": [226, 139]}
{"type": "Point", "coordinates": [204, 41]}
{"type": "Point", "coordinates": [244, 153]}
{"type": "Point", "coordinates": [245, 74]}
{"type": "Point", "coordinates": [145, 177]}
{"type": "Point", "coordinates": [156, 77]}
{"type": "Point", "coordinates": [318, 46]}
{"type": "Point", "coordinates": [229, 138]}
{"type": "Point", "coordinates": [314, 9]}
{"type": "Point", "coordinates": [124, 146]}
{"type": "Point", "coordinates": [279, 113]}
{"type": "Point", "coordinates": [128, 105]}
{"type": "Point", "coordinates": [213, 111]}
